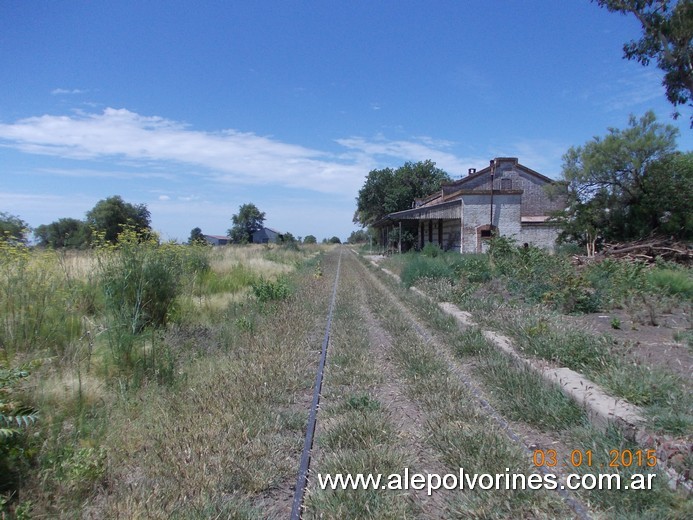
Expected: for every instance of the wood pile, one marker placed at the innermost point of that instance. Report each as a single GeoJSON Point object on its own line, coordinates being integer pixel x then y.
{"type": "Point", "coordinates": [649, 249]}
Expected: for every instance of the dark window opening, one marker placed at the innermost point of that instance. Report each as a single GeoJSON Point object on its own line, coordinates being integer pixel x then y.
{"type": "Point", "coordinates": [485, 233]}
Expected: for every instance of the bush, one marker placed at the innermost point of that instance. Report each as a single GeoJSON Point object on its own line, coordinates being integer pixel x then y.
{"type": "Point", "coordinates": [419, 266]}
{"type": "Point", "coordinates": [672, 282]}
{"type": "Point", "coordinates": [475, 268]}
{"type": "Point", "coordinates": [540, 277]}
{"type": "Point", "coordinates": [431, 250]}
{"type": "Point", "coordinates": [615, 282]}
{"type": "Point", "coordinates": [141, 281]}
{"type": "Point", "coordinates": [267, 290]}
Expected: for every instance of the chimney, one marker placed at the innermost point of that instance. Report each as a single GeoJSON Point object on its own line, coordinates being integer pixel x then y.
{"type": "Point", "coordinates": [471, 171]}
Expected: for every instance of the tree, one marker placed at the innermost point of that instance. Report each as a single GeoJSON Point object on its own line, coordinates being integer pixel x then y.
{"type": "Point", "coordinates": [248, 220]}
{"type": "Point", "coordinates": [287, 238]}
{"type": "Point", "coordinates": [65, 232]}
{"type": "Point", "coordinates": [667, 38]}
{"type": "Point", "coordinates": [334, 240]}
{"type": "Point", "coordinates": [196, 237]}
{"type": "Point", "coordinates": [359, 237]}
{"type": "Point", "coordinates": [12, 228]}
{"type": "Point", "coordinates": [614, 185]}
{"type": "Point", "coordinates": [667, 205]}
{"type": "Point", "coordinates": [388, 190]}
{"type": "Point", "coordinates": [110, 216]}
{"type": "Point", "coordinates": [310, 239]}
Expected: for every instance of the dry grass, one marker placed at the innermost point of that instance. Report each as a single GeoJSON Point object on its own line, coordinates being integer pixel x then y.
{"type": "Point", "coordinates": [218, 436]}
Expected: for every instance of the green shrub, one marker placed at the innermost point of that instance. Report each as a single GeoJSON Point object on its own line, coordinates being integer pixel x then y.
{"type": "Point", "coordinates": [431, 250]}
{"type": "Point", "coordinates": [538, 276]}
{"type": "Point", "coordinates": [672, 282]}
{"type": "Point", "coordinates": [267, 290]}
{"type": "Point", "coordinates": [419, 266]}
{"type": "Point", "coordinates": [14, 416]}
{"type": "Point", "coordinates": [615, 282]}
{"type": "Point", "coordinates": [141, 281]}
{"type": "Point", "coordinates": [475, 268]}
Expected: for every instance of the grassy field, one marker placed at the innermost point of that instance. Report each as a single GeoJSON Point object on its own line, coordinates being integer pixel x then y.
{"type": "Point", "coordinates": [160, 381]}
{"type": "Point", "coordinates": [156, 381]}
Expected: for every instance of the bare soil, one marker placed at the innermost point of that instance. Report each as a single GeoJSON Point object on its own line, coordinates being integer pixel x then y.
{"type": "Point", "coordinates": [652, 345]}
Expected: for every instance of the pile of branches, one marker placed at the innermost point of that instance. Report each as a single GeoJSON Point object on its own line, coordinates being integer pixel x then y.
{"type": "Point", "coordinates": [650, 249]}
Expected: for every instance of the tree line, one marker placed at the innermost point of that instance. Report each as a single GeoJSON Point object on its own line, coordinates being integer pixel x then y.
{"type": "Point", "coordinates": [105, 220]}
{"type": "Point", "coordinates": [111, 216]}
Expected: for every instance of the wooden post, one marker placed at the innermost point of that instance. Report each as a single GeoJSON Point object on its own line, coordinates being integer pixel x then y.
{"type": "Point", "coordinates": [400, 237]}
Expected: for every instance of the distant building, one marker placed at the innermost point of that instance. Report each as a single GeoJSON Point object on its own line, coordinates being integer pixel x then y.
{"type": "Point", "coordinates": [217, 240]}
{"type": "Point", "coordinates": [265, 235]}
{"type": "Point", "coordinates": [505, 198]}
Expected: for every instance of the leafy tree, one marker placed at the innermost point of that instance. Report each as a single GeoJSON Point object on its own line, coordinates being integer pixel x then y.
{"type": "Point", "coordinates": [667, 205]}
{"type": "Point", "coordinates": [65, 232]}
{"type": "Point", "coordinates": [614, 185]}
{"type": "Point", "coordinates": [334, 240]}
{"type": "Point", "coordinates": [196, 237]}
{"type": "Point", "coordinates": [310, 239]}
{"type": "Point", "coordinates": [667, 38]}
{"type": "Point", "coordinates": [358, 237]}
{"type": "Point", "coordinates": [388, 190]}
{"type": "Point", "coordinates": [110, 216]}
{"type": "Point", "coordinates": [248, 220]}
{"type": "Point", "coordinates": [286, 238]}
{"type": "Point", "coordinates": [12, 228]}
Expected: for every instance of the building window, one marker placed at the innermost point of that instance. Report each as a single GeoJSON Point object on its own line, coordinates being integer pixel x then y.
{"type": "Point", "coordinates": [506, 184]}
{"type": "Point", "coordinates": [485, 233]}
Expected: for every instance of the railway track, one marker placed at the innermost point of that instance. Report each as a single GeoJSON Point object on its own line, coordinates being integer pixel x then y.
{"type": "Point", "coordinates": [363, 281]}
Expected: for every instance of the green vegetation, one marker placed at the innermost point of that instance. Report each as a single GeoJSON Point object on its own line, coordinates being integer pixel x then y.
{"type": "Point", "coordinates": [628, 185]}
{"type": "Point", "coordinates": [523, 292]}
{"type": "Point", "coordinates": [388, 190]}
{"type": "Point", "coordinates": [524, 397]}
{"type": "Point", "coordinates": [248, 220]}
{"type": "Point", "coordinates": [12, 228]}
{"type": "Point", "coordinates": [112, 362]}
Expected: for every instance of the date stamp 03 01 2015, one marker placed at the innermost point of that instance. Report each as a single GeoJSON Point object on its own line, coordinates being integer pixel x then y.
{"type": "Point", "coordinates": [585, 458]}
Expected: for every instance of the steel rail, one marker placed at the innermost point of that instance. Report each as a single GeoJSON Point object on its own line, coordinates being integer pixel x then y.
{"type": "Point", "coordinates": [302, 480]}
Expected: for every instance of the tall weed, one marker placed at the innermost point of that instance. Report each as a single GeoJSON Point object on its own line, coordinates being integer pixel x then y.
{"type": "Point", "coordinates": [36, 308]}
{"type": "Point", "coordinates": [141, 280]}
{"type": "Point", "coordinates": [419, 267]}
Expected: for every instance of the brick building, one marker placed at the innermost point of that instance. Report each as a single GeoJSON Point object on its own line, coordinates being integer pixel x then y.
{"type": "Point", "coordinates": [505, 198]}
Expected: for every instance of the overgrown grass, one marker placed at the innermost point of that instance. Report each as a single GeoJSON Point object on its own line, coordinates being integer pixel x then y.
{"type": "Point", "coordinates": [462, 434]}
{"type": "Point", "coordinates": [519, 393]}
{"type": "Point", "coordinates": [460, 431]}
{"type": "Point", "coordinates": [154, 405]}
{"type": "Point", "coordinates": [535, 276]}
{"type": "Point", "coordinates": [658, 502]}
{"type": "Point", "coordinates": [355, 431]}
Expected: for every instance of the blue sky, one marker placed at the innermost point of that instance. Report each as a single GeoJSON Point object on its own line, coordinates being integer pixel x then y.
{"type": "Point", "coordinates": [194, 108]}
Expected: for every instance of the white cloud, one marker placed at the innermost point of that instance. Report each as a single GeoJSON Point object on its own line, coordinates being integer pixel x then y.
{"type": "Point", "coordinates": [66, 91]}
{"type": "Point", "coordinates": [415, 149]}
{"type": "Point", "coordinates": [228, 156]}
